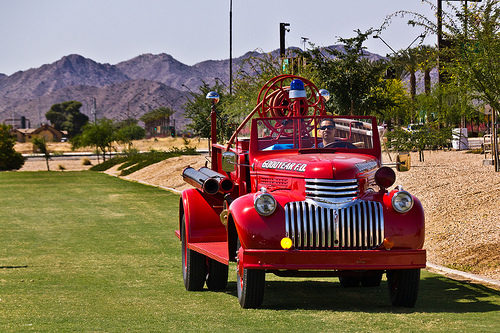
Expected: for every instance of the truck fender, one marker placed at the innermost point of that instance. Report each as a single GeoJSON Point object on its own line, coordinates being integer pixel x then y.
{"type": "Point", "coordinates": [202, 217]}
{"type": "Point", "coordinates": [407, 230]}
{"type": "Point", "coordinates": [254, 230]}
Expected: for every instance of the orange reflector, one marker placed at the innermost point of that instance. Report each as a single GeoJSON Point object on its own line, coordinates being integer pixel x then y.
{"type": "Point", "coordinates": [286, 243]}
{"type": "Point", "coordinates": [388, 243]}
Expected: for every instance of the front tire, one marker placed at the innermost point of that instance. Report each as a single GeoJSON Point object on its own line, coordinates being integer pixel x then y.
{"type": "Point", "coordinates": [194, 264]}
{"type": "Point", "coordinates": [403, 286]}
{"type": "Point", "coordinates": [250, 285]}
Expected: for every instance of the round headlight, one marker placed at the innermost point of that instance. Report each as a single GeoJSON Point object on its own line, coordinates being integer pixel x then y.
{"type": "Point", "coordinates": [402, 201]}
{"type": "Point", "coordinates": [265, 204]}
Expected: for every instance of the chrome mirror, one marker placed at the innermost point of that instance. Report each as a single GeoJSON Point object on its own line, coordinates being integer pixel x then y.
{"type": "Point", "coordinates": [228, 161]}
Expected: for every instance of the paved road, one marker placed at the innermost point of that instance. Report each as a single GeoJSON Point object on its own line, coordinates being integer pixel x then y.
{"type": "Point", "coordinates": [66, 156]}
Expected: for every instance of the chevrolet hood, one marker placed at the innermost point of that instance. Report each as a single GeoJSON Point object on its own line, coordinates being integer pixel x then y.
{"type": "Point", "coordinates": [323, 166]}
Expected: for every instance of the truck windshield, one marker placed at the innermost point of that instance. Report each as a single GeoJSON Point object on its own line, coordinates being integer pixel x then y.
{"type": "Point", "coordinates": [314, 132]}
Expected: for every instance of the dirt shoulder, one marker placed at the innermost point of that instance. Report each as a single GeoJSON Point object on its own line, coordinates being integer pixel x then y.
{"type": "Point", "coordinates": [459, 194]}
{"type": "Point", "coordinates": [161, 144]}
{"type": "Point", "coordinates": [460, 198]}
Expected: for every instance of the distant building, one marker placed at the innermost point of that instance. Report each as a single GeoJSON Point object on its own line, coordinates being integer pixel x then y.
{"type": "Point", "coordinates": [45, 131]}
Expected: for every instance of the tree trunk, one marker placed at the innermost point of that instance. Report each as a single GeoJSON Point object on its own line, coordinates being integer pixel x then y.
{"type": "Point", "coordinates": [494, 145]}
{"type": "Point", "coordinates": [427, 81]}
{"type": "Point", "coordinates": [413, 86]}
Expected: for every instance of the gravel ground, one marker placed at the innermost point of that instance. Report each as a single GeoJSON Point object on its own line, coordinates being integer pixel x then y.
{"type": "Point", "coordinates": [461, 200]}
{"type": "Point", "coordinates": [459, 194]}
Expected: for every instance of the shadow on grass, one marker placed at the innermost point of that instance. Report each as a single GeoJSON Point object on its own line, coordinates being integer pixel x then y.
{"type": "Point", "coordinates": [437, 294]}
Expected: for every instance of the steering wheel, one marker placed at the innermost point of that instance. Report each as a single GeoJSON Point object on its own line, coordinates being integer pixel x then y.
{"type": "Point", "coordinates": [340, 144]}
{"type": "Point", "coordinates": [276, 102]}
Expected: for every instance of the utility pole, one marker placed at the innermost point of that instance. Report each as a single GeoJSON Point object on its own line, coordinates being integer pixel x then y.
{"type": "Point", "coordinates": [39, 115]}
{"type": "Point", "coordinates": [439, 15]}
{"type": "Point", "coordinates": [283, 30]}
{"type": "Point", "coordinates": [93, 111]}
{"type": "Point", "coordinates": [230, 47]}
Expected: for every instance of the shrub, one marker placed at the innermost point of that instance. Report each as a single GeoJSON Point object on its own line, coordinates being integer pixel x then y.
{"type": "Point", "coordinates": [9, 158]}
{"type": "Point", "coordinates": [86, 161]}
{"type": "Point", "coordinates": [422, 139]}
{"type": "Point", "coordinates": [131, 151]}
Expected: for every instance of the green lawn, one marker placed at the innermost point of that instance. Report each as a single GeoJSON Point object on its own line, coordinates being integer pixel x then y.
{"type": "Point", "coordinates": [83, 251]}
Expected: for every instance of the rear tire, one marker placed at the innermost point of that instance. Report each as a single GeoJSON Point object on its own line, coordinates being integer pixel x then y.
{"type": "Point", "coordinates": [250, 286]}
{"type": "Point", "coordinates": [194, 264]}
{"type": "Point", "coordinates": [217, 275]}
{"type": "Point", "coordinates": [403, 286]}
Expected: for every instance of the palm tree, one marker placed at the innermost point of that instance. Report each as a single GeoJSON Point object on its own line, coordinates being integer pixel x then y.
{"type": "Point", "coordinates": [41, 144]}
{"type": "Point", "coordinates": [406, 62]}
{"type": "Point", "coordinates": [428, 61]}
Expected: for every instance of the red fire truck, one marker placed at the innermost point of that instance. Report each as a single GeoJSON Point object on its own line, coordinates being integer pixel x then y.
{"type": "Point", "coordinates": [278, 199]}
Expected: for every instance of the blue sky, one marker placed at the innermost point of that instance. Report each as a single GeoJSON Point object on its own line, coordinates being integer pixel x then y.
{"type": "Point", "coordinates": [37, 32]}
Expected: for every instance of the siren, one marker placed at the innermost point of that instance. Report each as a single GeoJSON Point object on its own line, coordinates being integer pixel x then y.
{"type": "Point", "coordinates": [297, 89]}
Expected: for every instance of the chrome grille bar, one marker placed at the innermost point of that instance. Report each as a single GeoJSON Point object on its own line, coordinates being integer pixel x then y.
{"type": "Point", "coordinates": [358, 225]}
{"type": "Point", "coordinates": [332, 190]}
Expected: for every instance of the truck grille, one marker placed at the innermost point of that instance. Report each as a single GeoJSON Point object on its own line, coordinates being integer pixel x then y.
{"type": "Point", "coordinates": [332, 190]}
{"type": "Point", "coordinates": [358, 225]}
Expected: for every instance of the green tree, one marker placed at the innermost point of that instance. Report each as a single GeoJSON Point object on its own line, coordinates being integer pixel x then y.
{"type": "Point", "coordinates": [354, 82]}
{"type": "Point", "coordinates": [198, 110]}
{"type": "Point", "coordinates": [471, 56]}
{"type": "Point", "coordinates": [9, 158]}
{"type": "Point", "coordinates": [100, 135]}
{"type": "Point", "coordinates": [427, 61]}
{"type": "Point", "coordinates": [398, 105]}
{"type": "Point", "coordinates": [128, 130]}
{"type": "Point", "coordinates": [66, 116]}
{"type": "Point", "coordinates": [427, 137]}
{"type": "Point", "coordinates": [475, 46]}
{"type": "Point", "coordinates": [41, 144]}
{"type": "Point", "coordinates": [409, 61]}
{"type": "Point", "coordinates": [253, 75]}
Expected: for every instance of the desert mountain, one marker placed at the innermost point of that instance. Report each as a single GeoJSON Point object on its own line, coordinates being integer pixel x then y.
{"type": "Point", "coordinates": [129, 88]}
{"type": "Point", "coordinates": [161, 68]}
{"type": "Point", "coordinates": [72, 70]}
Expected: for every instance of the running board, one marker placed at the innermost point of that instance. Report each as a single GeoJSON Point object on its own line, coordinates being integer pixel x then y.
{"type": "Point", "coordinates": [214, 250]}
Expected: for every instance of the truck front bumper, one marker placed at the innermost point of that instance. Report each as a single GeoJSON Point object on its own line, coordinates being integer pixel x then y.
{"type": "Point", "coordinates": [331, 260]}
